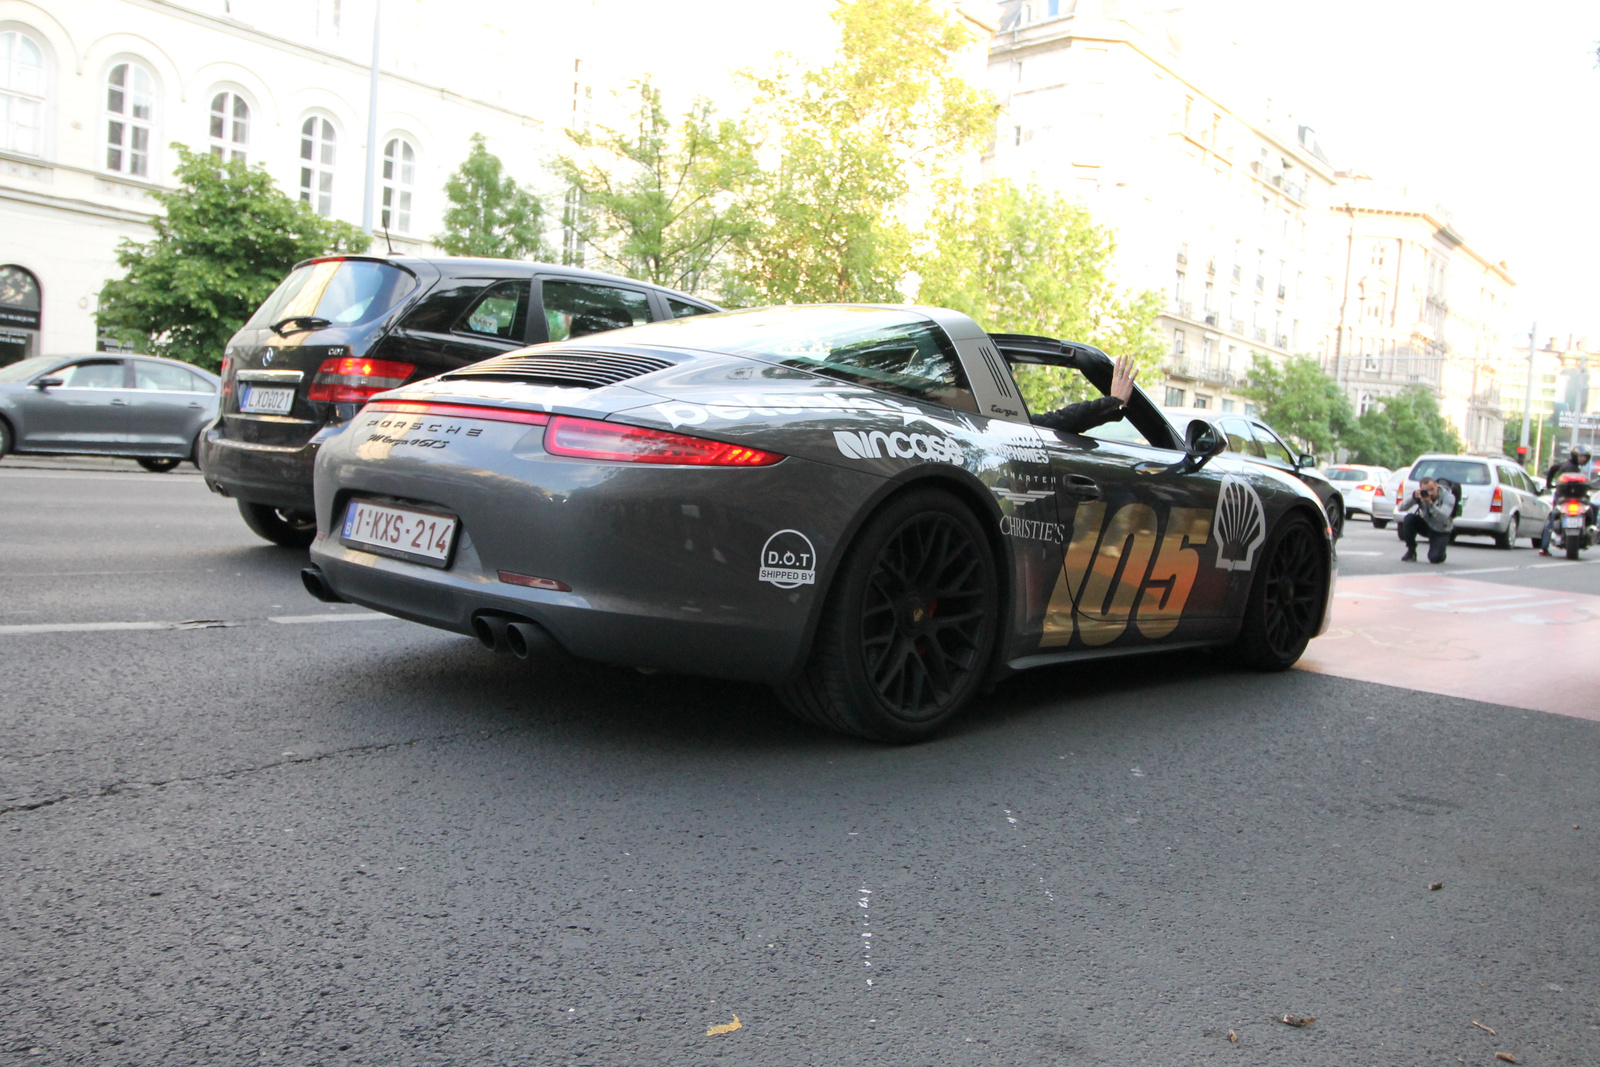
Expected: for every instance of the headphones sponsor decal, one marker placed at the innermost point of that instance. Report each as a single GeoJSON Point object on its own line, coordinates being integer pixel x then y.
{"type": "Point", "coordinates": [788, 560]}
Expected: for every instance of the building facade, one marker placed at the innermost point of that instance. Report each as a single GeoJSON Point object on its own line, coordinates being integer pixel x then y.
{"type": "Point", "coordinates": [1411, 303]}
{"type": "Point", "coordinates": [92, 94]}
{"type": "Point", "coordinates": [1216, 209]}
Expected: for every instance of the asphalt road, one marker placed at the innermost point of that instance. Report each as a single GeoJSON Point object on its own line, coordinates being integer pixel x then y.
{"type": "Point", "coordinates": [350, 840]}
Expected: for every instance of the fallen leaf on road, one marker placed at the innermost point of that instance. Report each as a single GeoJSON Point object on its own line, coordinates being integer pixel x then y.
{"type": "Point", "coordinates": [1233, 1037]}
{"type": "Point", "coordinates": [725, 1028]}
{"type": "Point", "coordinates": [1436, 885]}
{"type": "Point", "coordinates": [1505, 1057]}
{"type": "Point", "coordinates": [1480, 1026]}
{"type": "Point", "coordinates": [1293, 1020]}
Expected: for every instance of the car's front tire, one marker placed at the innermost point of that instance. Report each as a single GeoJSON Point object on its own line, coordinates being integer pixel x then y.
{"type": "Point", "coordinates": [1380, 524]}
{"type": "Point", "coordinates": [1335, 511]}
{"type": "Point", "coordinates": [909, 626]}
{"type": "Point", "coordinates": [157, 464]}
{"type": "Point", "coordinates": [1287, 598]}
{"type": "Point", "coordinates": [281, 526]}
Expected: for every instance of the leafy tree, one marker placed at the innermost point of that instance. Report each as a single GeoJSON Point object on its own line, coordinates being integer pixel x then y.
{"type": "Point", "coordinates": [662, 203]}
{"type": "Point", "coordinates": [489, 213]}
{"type": "Point", "coordinates": [1395, 431]}
{"type": "Point", "coordinates": [1025, 261]}
{"type": "Point", "coordinates": [227, 237]}
{"type": "Point", "coordinates": [859, 141]}
{"type": "Point", "coordinates": [1299, 399]}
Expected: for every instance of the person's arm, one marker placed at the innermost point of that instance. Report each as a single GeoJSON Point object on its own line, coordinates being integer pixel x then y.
{"type": "Point", "coordinates": [1087, 414]}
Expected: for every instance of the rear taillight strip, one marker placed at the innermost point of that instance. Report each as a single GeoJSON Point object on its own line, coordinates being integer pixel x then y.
{"type": "Point", "coordinates": [461, 411]}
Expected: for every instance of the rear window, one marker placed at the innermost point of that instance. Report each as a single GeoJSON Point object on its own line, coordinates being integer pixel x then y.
{"type": "Point", "coordinates": [1460, 471]}
{"type": "Point", "coordinates": [346, 292]}
{"type": "Point", "coordinates": [1347, 474]}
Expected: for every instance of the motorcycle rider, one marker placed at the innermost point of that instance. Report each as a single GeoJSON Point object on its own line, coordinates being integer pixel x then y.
{"type": "Point", "coordinates": [1577, 462]}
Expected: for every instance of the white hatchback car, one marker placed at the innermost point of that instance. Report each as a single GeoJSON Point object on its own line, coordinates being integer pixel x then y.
{"type": "Point", "coordinates": [1387, 498]}
{"type": "Point", "coordinates": [1357, 484]}
{"type": "Point", "coordinates": [1499, 499]}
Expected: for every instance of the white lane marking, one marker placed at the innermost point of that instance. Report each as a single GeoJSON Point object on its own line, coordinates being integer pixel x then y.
{"type": "Point", "coordinates": [1479, 570]}
{"type": "Point", "coordinates": [95, 574]}
{"type": "Point", "coordinates": [83, 627]}
{"type": "Point", "coordinates": [1558, 563]}
{"type": "Point", "coordinates": [197, 624]}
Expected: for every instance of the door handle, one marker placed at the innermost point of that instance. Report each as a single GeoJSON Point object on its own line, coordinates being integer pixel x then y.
{"type": "Point", "coordinates": [1080, 488]}
{"type": "Point", "coordinates": [1151, 467]}
{"type": "Point", "coordinates": [118, 402]}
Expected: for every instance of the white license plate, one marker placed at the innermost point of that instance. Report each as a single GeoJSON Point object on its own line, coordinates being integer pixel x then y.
{"type": "Point", "coordinates": [420, 536]}
{"type": "Point", "coordinates": [259, 400]}
{"type": "Point", "coordinates": [1573, 522]}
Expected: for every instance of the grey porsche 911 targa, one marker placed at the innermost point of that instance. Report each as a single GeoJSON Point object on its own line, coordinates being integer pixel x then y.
{"type": "Point", "coordinates": [849, 503]}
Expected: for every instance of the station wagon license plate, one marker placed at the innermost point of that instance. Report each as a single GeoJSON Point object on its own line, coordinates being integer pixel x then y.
{"type": "Point", "coordinates": [261, 400]}
{"type": "Point", "coordinates": [426, 537]}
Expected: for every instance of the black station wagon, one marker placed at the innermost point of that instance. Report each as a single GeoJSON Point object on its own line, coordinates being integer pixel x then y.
{"type": "Point", "coordinates": [340, 329]}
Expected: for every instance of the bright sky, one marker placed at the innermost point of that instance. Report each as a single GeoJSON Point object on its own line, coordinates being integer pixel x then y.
{"type": "Point", "coordinates": [1492, 110]}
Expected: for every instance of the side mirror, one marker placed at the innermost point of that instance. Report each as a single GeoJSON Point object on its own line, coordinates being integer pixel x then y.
{"type": "Point", "coordinates": [42, 384]}
{"type": "Point", "coordinates": [1306, 460]}
{"type": "Point", "coordinates": [1202, 439]}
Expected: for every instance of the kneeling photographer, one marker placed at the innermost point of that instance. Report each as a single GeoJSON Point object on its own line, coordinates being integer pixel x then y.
{"type": "Point", "coordinates": [1429, 513]}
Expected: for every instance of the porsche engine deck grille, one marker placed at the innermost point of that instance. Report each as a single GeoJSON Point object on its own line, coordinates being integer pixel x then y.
{"type": "Point", "coordinates": [585, 369]}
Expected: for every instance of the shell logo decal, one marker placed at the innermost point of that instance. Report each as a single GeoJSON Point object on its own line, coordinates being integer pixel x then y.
{"type": "Point", "coordinates": [1241, 524]}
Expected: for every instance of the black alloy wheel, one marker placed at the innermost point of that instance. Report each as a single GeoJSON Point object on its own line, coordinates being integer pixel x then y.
{"type": "Point", "coordinates": [281, 526]}
{"type": "Point", "coordinates": [909, 626]}
{"type": "Point", "coordinates": [1335, 511]}
{"type": "Point", "coordinates": [157, 464]}
{"type": "Point", "coordinates": [5, 438]}
{"type": "Point", "coordinates": [1286, 599]}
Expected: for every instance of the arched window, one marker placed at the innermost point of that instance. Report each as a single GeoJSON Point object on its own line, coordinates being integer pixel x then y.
{"type": "Point", "coordinates": [230, 126]}
{"type": "Point", "coordinates": [1365, 405]}
{"type": "Point", "coordinates": [130, 111]}
{"type": "Point", "coordinates": [399, 174]}
{"type": "Point", "coordinates": [318, 148]}
{"type": "Point", "coordinates": [21, 94]}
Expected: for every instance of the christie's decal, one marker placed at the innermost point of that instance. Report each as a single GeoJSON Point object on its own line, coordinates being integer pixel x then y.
{"type": "Point", "coordinates": [875, 444]}
{"type": "Point", "coordinates": [1033, 529]}
{"type": "Point", "coordinates": [1241, 524]}
{"type": "Point", "coordinates": [788, 561]}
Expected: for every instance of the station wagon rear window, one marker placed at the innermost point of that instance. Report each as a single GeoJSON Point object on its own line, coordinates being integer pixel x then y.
{"type": "Point", "coordinates": [877, 347]}
{"type": "Point", "coordinates": [1460, 471]}
{"type": "Point", "coordinates": [345, 292]}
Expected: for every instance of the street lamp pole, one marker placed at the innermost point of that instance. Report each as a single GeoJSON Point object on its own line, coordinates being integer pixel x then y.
{"type": "Point", "coordinates": [1527, 396]}
{"type": "Point", "coordinates": [372, 122]}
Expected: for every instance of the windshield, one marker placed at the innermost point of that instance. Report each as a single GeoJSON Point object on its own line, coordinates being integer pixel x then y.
{"type": "Point", "coordinates": [346, 292]}
{"type": "Point", "coordinates": [16, 372]}
{"type": "Point", "coordinates": [885, 348]}
{"type": "Point", "coordinates": [1460, 471]}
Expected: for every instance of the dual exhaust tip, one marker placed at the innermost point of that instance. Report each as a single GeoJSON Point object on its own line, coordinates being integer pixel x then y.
{"type": "Point", "coordinates": [521, 638]}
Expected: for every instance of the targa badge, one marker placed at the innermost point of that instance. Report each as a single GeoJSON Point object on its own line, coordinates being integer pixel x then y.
{"type": "Point", "coordinates": [788, 561]}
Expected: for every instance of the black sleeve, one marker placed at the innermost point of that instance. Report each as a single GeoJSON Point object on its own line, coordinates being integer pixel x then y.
{"type": "Point", "coordinates": [1084, 415]}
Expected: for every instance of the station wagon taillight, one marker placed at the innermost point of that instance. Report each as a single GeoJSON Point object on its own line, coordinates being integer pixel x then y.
{"type": "Point", "coordinates": [227, 375]}
{"type": "Point", "coordinates": [1497, 503]}
{"type": "Point", "coordinates": [352, 380]}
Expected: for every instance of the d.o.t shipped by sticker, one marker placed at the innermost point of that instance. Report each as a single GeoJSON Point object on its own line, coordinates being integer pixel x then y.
{"type": "Point", "coordinates": [788, 561]}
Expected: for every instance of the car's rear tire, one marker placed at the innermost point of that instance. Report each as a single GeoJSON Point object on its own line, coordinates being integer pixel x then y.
{"type": "Point", "coordinates": [1287, 598]}
{"type": "Point", "coordinates": [5, 439]}
{"type": "Point", "coordinates": [1380, 524]}
{"type": "Point", "coordinates": [1536, 542]}
{"type": "Point", "coordinates": [1509, 537]}
{"type": "Point", "coordinates": [281, 526]}
{"type": "Point", "coordinates": [909, 625]}
{"type": "Point", "coordinates": [157, 464]}
{"type": "Point", "coordinates": [1336, 518]}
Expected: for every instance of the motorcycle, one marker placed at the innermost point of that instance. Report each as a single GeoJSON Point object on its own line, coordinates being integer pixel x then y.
{"type": "Point", "coordinates": [1575, 522]}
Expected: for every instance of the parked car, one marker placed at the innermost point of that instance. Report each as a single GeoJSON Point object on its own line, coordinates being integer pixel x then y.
{"type": "Point", "coordinates": [340, 329]}
{"type": "Point", "coordinates": [1386, 499]}
{"type": "Point", "coordinates": [139, 407]}
{"type": "Point", "coordinates": [1252, 439]}
{"type": "Point", "coordinates": [1357, 485]}
{"type": "Point", "coordinates": [849, 503]}
{"type": "Point", "coordinates": [1498, 498]}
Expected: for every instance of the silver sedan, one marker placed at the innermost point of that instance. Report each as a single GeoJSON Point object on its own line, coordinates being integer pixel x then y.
{"type": "Point", "coordinates": [140, 407]}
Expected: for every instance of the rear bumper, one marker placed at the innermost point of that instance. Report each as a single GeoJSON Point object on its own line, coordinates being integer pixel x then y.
{"type": "Point", "coordinates": [275, 475]}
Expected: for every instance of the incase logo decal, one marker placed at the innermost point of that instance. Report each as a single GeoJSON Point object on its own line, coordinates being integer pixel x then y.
{"type": "Point", "coordinates": [788, 561]}
{"type": "Point", "coordinates": [875, 444]}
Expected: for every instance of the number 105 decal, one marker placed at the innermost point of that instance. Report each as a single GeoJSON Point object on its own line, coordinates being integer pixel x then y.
{"type": "Point", "coordinates": [1125, 570]}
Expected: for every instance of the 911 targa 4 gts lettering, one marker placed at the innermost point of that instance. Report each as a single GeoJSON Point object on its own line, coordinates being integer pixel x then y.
{"type": "Point", "coordinates": [849, 503]}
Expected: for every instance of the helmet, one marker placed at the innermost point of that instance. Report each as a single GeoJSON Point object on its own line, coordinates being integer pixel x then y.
{"type": "Point", "coordinates": [1581, 453]}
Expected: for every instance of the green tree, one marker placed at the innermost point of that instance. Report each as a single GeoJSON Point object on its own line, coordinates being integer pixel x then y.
{"type": "Point", "coordinates": [859, 142]}
{"type": "Point", "coordinates": [1299, 399]}
{"type": "Point", "coordinates": [1025, 261]}
{"type": "Point", "coordinates": [226, 238]}
{"type": "Point", "coordinates": [1395, 431]}
{"type": "Point", "coordinates": [663, 202]}
{"type": "Point", "coordinates": [489, 213]}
